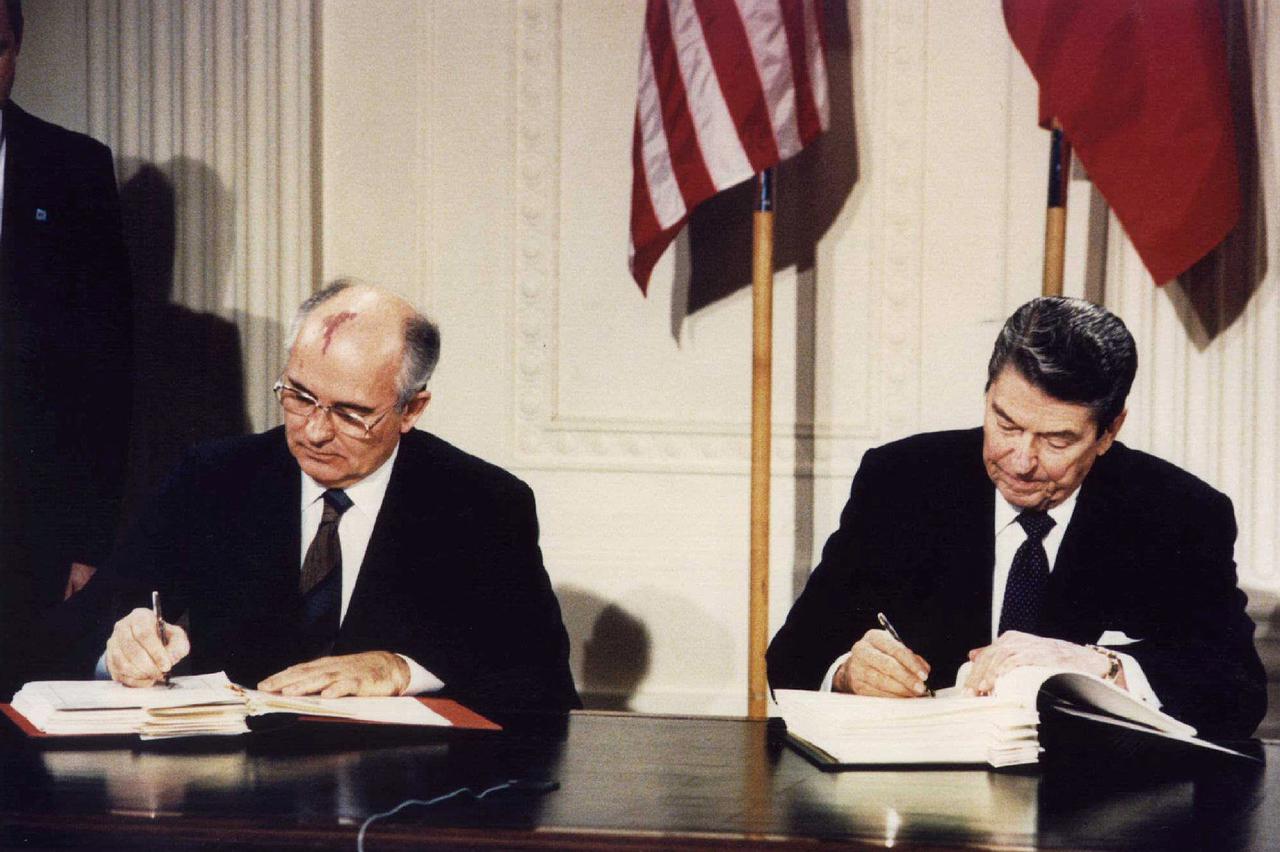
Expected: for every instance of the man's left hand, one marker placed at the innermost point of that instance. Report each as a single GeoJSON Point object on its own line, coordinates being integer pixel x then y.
{"type": "Point", "coordinates": [370, 673]}
{"type": "Point", "coordinates": [77, 578]}
{"type": "Point", "coordinates": [1014, 649]}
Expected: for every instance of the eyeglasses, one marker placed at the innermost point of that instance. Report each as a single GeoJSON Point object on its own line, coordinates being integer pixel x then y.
{"type": "Point", "coordinates": [346, 421]}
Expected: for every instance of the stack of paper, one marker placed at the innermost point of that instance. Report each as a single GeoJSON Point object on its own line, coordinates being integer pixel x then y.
{"type": "Point", "coordinates": [855, 729]}
{"type": "Point", "coordinates": [193, 705]}
{"type": "Point", "coordinates": [1000, 729]}
{"type": "Point", "coordinates": [198, 704]}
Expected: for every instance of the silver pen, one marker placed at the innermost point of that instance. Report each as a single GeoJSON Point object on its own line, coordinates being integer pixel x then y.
{"type": "Point", "coordinates": [888, 626]}
{"type": "Point", "coordinates": [160, 629]}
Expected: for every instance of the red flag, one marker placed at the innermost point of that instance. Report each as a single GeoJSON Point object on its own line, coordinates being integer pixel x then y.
{"type": "Point", "coordinates": [1140, 88]}
{"type": "Point", "coordinates": [727, 89]}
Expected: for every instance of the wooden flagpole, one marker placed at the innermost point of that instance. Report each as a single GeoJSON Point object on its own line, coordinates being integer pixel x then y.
{"type": "Point", "coordinates": [761, 432]}
{"type": "Point", "coordinates": [1055, 222]}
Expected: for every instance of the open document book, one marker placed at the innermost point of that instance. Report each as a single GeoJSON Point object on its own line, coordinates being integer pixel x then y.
{"type": "Point", "coordinates": [1002, 729]}
{"type": "Point", "coordinates": [193, 705]}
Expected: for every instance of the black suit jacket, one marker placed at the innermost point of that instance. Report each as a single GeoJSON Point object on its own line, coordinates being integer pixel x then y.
{"type": "Point", "coordinates": [1148, 552]}
{"type": "Point", "coordinates": [65, 362]}
{"type": "Point", "coordinates": [452, 578]}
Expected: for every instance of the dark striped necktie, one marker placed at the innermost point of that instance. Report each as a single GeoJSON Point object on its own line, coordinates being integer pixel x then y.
{"type": "Point", "coordinates": [321, 578]}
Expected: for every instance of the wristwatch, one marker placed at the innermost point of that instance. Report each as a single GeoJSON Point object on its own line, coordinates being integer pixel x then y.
{"type": "Point", "coordinates": [1113, 673]}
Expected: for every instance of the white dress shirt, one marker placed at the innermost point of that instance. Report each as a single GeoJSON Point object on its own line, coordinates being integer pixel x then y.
{"type": "Point", "coordinates": [355, 528]}
{"type": "Point", "coordinates": [1009, 537]}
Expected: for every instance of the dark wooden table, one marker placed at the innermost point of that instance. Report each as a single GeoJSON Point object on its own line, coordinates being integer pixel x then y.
{"type": "Point", "coordinates": [626, 782]}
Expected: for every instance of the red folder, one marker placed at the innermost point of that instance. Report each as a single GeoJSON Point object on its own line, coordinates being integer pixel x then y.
{"type": "Point", "coordinates": [458, 715]}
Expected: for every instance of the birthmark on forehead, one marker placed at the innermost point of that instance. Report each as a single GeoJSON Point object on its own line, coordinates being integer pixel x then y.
{"type": "Point", "coordinates": [331, 324]}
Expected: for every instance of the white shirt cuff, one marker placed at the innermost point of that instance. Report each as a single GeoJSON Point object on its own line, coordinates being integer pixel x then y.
{"type": "Point", "coordinates": [831, 672]}
{"type": "Point", "coordinates": [100, 671]}
{"type": "Point", "coordinates": [1136, 681]}
{"type": "Point", "coordinates": [421, 681]}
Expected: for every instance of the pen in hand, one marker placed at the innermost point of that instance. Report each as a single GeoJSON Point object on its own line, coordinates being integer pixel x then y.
{"type": "Point", "coordinates": [888, 627]}
{"type": "Point", "coordinates": [160, 629]}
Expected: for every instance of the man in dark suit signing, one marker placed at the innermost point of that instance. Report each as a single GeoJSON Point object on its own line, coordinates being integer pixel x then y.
{"type": "Point", "coordinates": [347, 553]}
{"type": "Point", "coordinates": [65, 361]}
{"type": "Point", "coordinates": [1035, 540]}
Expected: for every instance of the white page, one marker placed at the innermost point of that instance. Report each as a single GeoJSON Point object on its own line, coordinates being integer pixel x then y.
{"type": "Point", "coordinates": [109, 695]}
{"type": "Point", "coordinates": [1023, 684]}
{"type": "Point", "coordinates": [398, 710]}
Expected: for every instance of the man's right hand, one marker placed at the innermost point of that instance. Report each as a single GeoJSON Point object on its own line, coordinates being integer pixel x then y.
{"type": "Point", "coordinates": [882, 666]}
{"type": "Point", "coordinates": [136, 656]}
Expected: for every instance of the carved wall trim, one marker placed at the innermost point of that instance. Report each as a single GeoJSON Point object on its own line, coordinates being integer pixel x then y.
{"type": "Point", "coordinates": [548, 437]}
{"type": "Point", "coordinates": [900, 81]}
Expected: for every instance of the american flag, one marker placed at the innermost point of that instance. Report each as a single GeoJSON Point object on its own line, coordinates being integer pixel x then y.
{"type": "Point", "coordinates": [727, 89]}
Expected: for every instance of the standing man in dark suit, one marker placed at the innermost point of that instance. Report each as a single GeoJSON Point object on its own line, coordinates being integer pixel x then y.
{"type": "Point", "coordinates": [346, 553]}
{"type": "Point", "coordinates": [1035, 540]}
{"type": "Point", "coordinates": [65, 309]}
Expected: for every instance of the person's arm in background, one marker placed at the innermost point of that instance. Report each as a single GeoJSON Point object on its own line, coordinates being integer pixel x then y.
{"type": "Point", "coordinates": [103, 360]}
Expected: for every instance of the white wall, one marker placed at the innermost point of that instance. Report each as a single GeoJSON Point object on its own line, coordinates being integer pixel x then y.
{"type": "Point", "coordinates": [53, 63]}
{"type": "Point", "coordinates": [507, 214]}
{"type": "Point", "coordinates": [475, 156]}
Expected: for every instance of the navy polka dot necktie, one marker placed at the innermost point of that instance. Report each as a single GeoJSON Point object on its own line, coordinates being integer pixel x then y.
{"type": "Point", "coordinates": [1028, 576]}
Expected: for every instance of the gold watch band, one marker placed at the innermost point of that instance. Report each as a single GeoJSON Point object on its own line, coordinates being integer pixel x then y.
{"type": "Point", "coordinates": [1113, 673]}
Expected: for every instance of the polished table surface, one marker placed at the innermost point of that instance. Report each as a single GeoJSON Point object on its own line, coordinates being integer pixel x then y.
{"type": "Point", "coordinates": [625, 781]}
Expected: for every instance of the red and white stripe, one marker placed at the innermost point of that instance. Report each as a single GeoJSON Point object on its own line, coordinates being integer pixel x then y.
{"type": "Point", "coordinates": [727, 89]}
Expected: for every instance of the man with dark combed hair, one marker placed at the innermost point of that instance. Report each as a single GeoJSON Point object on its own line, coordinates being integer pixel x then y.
{"type": "Point", "coordinates": [1037, 539]}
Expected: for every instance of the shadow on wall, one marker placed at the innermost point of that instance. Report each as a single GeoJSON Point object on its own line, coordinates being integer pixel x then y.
{"type": "Point", "coordinates": [1212, 294]}
{"type": "Point", "coordinates": [714, 259]}
{"type": "Point", "coordinates": [188, 373]}
{"type": "Point", "coordinates": [609, 649]}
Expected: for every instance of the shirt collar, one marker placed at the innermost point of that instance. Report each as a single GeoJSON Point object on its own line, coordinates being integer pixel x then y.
{"type": "Point", "coordinates": [366, 495]}
{"type": "Point", "coordinates": [1007, 513]}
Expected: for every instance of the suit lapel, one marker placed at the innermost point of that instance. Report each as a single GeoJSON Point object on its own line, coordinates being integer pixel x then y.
{"type": "Point", "coordinates": [389, 534]}
{"type": "Point", "coordinates": [249, 567]}
{"type": "Point", "coordinates": [13, 189]}
{"type": "Point", "coordinates": [274, 502]}
{"type": "Point", "coordinates": [1090, 548]}
{"type": "Point", "coordinates": [975, 514]}
{"type": "Point", "coordinates": [960, 553]}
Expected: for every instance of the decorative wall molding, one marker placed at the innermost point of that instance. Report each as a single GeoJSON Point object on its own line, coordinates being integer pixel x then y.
{"type": "Point", "coordinates": [548, 437]}
{"type": "Point", "coordinates": [537, 217]}
{"type": "Point", "coordinates": [900, 82]}
{"type": "Point", "coordinates": [217, 96]}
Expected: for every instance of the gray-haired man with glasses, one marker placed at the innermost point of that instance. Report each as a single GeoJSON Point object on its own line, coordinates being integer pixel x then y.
{"type": "Point", "coordinates": [347, 553]}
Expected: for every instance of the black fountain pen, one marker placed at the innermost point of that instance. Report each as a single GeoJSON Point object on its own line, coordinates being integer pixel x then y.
{"type": "Point", "coordinates": [885, 623]}
{"type": "Point", "coordinates": [160, 629]}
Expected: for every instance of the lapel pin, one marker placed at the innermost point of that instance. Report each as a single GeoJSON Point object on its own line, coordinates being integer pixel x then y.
{"type": "Point", "coordinates": [42, 215]}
